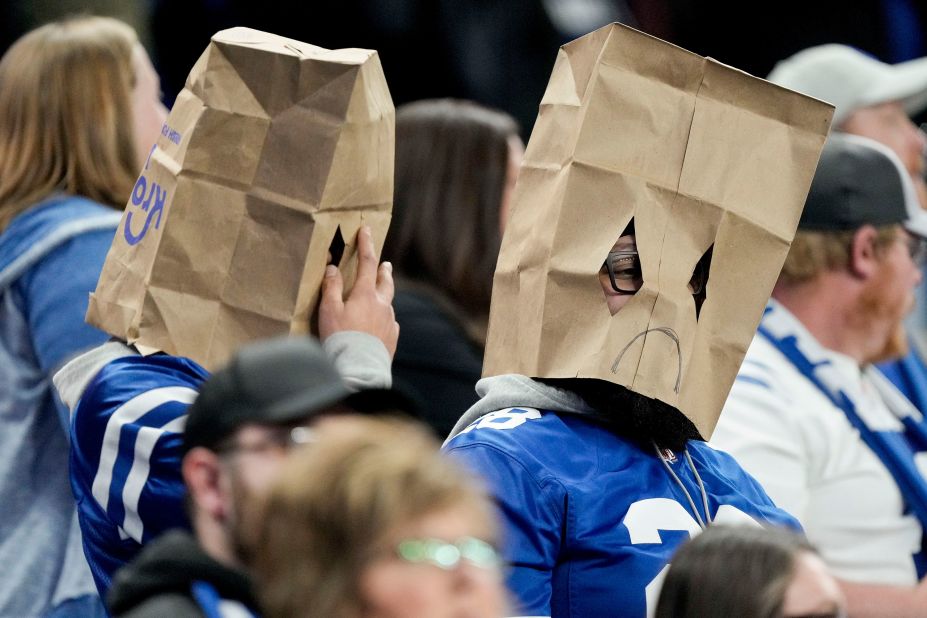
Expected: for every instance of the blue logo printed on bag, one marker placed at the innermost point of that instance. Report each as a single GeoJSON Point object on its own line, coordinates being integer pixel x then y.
{"type": "Point", "coordinates": [151, 197]}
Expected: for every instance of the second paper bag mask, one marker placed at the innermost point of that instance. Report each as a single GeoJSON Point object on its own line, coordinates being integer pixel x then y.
{"type": "Point", "coordinates": [274, 151]}
{"type": "Point", "coordinates": [708, 163]}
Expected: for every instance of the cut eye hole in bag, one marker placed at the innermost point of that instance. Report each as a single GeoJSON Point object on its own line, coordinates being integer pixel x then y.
{"type": "Point", "coordinates": [626, 275]}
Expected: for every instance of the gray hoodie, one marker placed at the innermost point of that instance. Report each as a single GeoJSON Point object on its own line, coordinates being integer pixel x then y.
{"type": "Point", "coordinates": [511, 390]}
{"type": "Point", "coordinates": [361, 359]}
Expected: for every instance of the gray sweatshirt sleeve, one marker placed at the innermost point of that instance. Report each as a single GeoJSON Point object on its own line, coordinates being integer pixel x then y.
{"type": "Point", "coordinates": [72, 380]}
{"type": "Point", "coordinates": [360, 358]}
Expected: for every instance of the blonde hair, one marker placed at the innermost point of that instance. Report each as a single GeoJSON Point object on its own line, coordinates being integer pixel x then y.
{"type": "Point", "coordinates": [337, 500]}
{"type": "Point", "coordinates": [66, 119]}
{"type": "Point", "coordinates": [814, 253]}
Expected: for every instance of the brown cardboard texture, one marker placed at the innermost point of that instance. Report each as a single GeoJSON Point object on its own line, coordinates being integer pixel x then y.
{"type": "Point", "coordinates": [272, 150]}
{"type": "Point", "coordinates": [701, 156]}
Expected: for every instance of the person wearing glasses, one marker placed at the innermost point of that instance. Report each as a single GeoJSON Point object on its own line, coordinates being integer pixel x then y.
{"type": "Point", "coordinates": [876, 100]}
{"type": "Point", "coordinates": [246, 419]}
{"type": "Point", "coordinates": [373, 520]}
{"type": "Point", "coordinates": [621, 274]}
{"type": "Point", "coordinates": [598, 484]}
{"type": "Point", "coordinates": [829, 437]}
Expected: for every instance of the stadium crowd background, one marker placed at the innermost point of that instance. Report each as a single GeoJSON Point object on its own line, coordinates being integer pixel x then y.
{"type": "Point", "coordinates": [496, 52]}
{"type": "Point", "coordinates": [499, 53]}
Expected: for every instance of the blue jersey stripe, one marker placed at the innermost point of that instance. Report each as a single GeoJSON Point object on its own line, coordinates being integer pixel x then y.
{"type": "Point", "coordinates": [103, 483]}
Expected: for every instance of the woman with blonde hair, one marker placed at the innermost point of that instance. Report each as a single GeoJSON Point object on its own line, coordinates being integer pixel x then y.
{"type": "Point", "coordinates": [372, 520]}
{"type": "Point", "coordinates": [79, 110]}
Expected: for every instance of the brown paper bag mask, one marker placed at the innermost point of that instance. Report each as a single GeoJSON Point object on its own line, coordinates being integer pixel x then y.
{"type": "Point", "coordinates": [274, 152]}
{"type": "Point", "coordinates": [702, 157]}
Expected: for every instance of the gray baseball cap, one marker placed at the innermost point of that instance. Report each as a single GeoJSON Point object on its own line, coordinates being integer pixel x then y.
{"type": "Point", "coordinates": [859, 181]}
{"type": "Point", "coordinates": [275, 382]}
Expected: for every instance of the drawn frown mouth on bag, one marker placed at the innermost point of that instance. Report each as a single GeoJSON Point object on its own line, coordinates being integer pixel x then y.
{"type": "Point", "coordinates": [669, 332]}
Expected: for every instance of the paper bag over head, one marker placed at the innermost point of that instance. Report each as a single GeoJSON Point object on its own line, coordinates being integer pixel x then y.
{"type": "Point", "coordinates": [707, 161]}
{"type": "Point", "coordinates": [274, 152]}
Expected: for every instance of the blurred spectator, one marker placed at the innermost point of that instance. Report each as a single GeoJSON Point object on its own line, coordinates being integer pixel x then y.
{"type": "Point", "coordinates": [875, 100]}
{"type": "Point", "coordinates": [238, 432]}
{"type": "Point", "coordinates": [872, 99]}
{"type": "Point", "coordinates": [456, 165]}
{"type": "Point", "coordinates": [372, 520]}
{"type": "Point", "coordinates": [79, 109]}
{"type": "Point", "coordinates": [747, 571]}
{"type": "Point", "coordinates": [831, 440]}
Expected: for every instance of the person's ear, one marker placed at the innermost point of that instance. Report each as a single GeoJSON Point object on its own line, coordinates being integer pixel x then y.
{"type": "Point", "coordinates": [203, 475]}
{"type": "Point", "coordinates": [864, 254]}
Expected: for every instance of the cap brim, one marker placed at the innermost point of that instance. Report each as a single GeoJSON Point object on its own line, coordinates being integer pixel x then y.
{"type": "Point", "coordinates": [906, 82]}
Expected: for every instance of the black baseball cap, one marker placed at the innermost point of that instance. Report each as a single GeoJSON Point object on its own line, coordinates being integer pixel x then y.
{"type": "Point", "coordinates": [861, 182]}
{"type": "Point", "coordinates": [275, 382]}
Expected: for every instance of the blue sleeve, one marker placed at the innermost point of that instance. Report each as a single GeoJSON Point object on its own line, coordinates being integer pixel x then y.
{"type": "Point", "coordinates": [533, 513]}
{"type": "Point", "coordinates": [56, 292]}
{"type": "Point", "coordinates": [127, 444]}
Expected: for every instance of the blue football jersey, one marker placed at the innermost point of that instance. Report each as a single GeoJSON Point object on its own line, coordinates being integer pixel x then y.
{"type": "Point", "coordinates": [126, 448]}
{"type": "Point", "coordinates": [590, 519]}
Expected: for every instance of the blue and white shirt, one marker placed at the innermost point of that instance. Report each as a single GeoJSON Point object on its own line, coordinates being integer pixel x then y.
{"type": "Point", "coordinates": [590, 519]}
{"type": "Point", "coordinates": [126, 448]}
{"type": "Point", "coordinates": [788, 433]}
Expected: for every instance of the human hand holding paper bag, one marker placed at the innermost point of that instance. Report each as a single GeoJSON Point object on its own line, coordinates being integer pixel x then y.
{"type": "Point", "coordinates": [368, 308]}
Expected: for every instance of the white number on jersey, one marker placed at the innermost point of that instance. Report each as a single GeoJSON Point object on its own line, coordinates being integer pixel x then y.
{"type": "Point", "coordinates": [645, 519]}
{"type": "Point", "coordinates": [504, 419]}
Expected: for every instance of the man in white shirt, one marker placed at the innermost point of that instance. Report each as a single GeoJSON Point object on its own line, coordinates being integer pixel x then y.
{"type": "Point", "coordinates": [830, 438]}
{"type": "Point", "coordinates": [875, 100]}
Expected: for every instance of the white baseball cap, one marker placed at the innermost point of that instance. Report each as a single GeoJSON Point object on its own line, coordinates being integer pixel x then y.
{"type": "Point", "coordinates": [850, 79]}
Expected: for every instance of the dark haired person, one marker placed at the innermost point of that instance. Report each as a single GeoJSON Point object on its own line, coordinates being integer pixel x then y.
{"type": "Point", "coordinates": [556, 500]}
{"type": "Point", "coordinates": [749, 571]}
{"type": "Point", "coordinates": [456, 165]}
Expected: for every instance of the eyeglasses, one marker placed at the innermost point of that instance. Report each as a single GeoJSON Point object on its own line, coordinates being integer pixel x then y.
{"type": "Point", "coordinates": [626, 276]}
{"type": "Point", "coordinates": [278, 438]}
{"type": "Point", "coordinates": [447, 556]}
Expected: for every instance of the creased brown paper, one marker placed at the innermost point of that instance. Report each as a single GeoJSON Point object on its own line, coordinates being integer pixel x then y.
{"type": "Point", "coordinates": [272, 149]}
{"type": "Point", "coordinates": [701, 156]}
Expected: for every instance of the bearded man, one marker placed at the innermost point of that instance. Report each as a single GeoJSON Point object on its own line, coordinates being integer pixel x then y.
{"type": "Point", "coordinates": [828, 436]}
